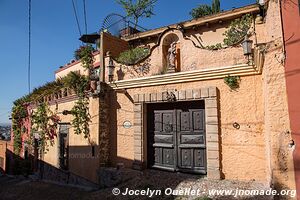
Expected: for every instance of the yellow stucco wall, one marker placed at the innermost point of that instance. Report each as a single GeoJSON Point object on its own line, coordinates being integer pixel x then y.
{"type": "Point", "coordinates": [81, 160]}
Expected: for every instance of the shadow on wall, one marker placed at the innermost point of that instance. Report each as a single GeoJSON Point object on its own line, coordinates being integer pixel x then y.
{"type": "Point", "coordinates": [121, 178]}
{"type": "Point", "coordinates": [16, 165]}
{"type": "Point", "coordinates": [82, 167]}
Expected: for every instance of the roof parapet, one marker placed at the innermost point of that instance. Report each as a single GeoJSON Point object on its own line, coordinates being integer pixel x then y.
{"type": "Point", "coordinates": [226, 15]}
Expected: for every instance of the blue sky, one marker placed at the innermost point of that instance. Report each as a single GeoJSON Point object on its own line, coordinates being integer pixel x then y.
{"type": "Point", "coordinates": [55, 36]}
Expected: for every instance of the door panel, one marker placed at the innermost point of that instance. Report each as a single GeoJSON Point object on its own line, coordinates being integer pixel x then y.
{"type": "Point", "coordinates": [177, 139]}
{"type": "Point", "coordinates": [191, 140]}
{"type": "Point", "coordinates": [164, 144]}
{"type": "Point", "coordinates": [200, 158]}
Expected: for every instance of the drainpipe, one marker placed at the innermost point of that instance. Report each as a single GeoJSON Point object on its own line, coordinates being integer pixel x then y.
{"type": "Point", "coordinates": [282, 29]}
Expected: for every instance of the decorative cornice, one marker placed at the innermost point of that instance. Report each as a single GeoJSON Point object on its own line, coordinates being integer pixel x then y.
{"type": "Point", "coordinates": [190, 76]}
{"type": "Point", "coordinates": [226, 15]}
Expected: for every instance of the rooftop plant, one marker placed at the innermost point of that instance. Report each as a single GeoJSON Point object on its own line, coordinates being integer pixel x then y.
{"type": "Point", "coordinates": [133, 56]}
{"type": "Point", "coordinates": [138, 9]}
{"type": "Point", "coordinates": [204, 9]}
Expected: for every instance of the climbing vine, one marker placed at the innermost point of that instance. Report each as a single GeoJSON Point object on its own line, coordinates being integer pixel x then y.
{"type": "Point", "coordinates": [214, 47]}
{"type": "Point", "coordinates": [45, 122]}
{"type": "Point", "coordinates": [81, 118]}
{"type": "Point", "coordinates": [85, 54]}
{"type": "Point", "coordinates": [19, 113]}
{"type": "Point", "coordinates": [237, 30]}
{"type": "Point", "coordinates": [80, 111]}
{"type": "Point", "coordinates": [235, 33]}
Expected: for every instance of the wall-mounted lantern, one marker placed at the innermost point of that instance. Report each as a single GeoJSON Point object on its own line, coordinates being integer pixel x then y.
{"type": "Point", "coordinates": [247, 46]}
{"type": "Point", "coordinates": [261, 2]}
{"type": "Point", "coordinates": [111, 70]}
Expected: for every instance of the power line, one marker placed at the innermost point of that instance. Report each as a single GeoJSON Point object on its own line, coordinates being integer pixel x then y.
{"type": "Point", "coordinates": [29, 45]}
{"type": "Point", "coordinates": [76, 17]}
{"type": "Point", "coordinates": [84, 11]}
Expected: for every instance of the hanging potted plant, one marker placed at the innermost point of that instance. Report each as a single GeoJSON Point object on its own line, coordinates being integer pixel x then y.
{"type": "Point", "coordinates": [232, 81]}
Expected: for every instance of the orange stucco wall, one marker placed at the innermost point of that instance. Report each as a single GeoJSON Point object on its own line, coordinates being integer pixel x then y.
{"type": "Point", "coordinates": [291, 29]}
{"type": "Point", "coordinates": [243, 151]}
{"type": "Point", "coordinates": [259, 149]}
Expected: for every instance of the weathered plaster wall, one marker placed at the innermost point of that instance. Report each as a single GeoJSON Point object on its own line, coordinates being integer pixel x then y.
{"type": "Point", "coordinates": [277, 123]}
{"type": "Point", "coordinates": [114, 45]}
{"type": "Point", "coordinates": [122, 147]}
{"type": "Point", "coordinates": [242, 151]}
{"type": "Point", "coordinates": [191, 57]}
{"type": "Point", "coordinates": [80, 149]}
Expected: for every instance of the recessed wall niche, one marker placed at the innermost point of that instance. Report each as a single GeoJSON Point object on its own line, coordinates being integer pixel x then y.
{"type": "Point", "coordinates": [171, 53]}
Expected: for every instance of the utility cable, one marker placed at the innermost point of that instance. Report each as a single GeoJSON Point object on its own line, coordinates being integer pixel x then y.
{"type": "Point", "coordinates": [84, 12]}
{"type": "Point", "coordinates": [29, 45]}
{"type": "Point", "coordinates": [76, 17]}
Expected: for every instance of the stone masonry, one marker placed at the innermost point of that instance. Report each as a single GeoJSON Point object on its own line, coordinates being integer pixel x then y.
{"type": "Point", "coordinates": [209, 95]}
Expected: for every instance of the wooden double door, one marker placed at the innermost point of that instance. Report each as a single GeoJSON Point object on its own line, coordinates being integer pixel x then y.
{"type": "Point", "coordinates": [176, 137]}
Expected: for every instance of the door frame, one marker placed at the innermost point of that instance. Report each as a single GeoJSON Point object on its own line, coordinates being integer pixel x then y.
{"type": "Point", "coordinates": [174, 109]}
{"type": "Point", "coordinates": [210, 95]}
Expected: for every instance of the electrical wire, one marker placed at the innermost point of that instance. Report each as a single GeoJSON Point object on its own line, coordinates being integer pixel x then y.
{"type": "Point", "coordinates": [76, 17]}
{"type": "Point", "coordinates": [84, 12]}
{"type": "Point", "coordinates": [29, 45]}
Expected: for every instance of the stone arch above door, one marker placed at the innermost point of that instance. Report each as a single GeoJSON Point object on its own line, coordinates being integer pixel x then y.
{"type": "Point", "coordinates": [209, 95]}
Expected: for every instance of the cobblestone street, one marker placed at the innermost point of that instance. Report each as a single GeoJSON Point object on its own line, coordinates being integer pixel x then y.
{"type": "Point", "coordinates": [13, 188]}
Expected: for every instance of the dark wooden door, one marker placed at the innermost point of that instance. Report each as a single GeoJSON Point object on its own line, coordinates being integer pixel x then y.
{"type": "Point", "coordinates": [164, 137]}
{"type": "Point", "coordinates": [177, 139]}
{"type": "Point", "coordinates": [191, 148]}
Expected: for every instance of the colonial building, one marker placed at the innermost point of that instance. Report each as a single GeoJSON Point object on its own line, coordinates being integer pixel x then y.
{"type": "Point", "coordinates": [201, 101]}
